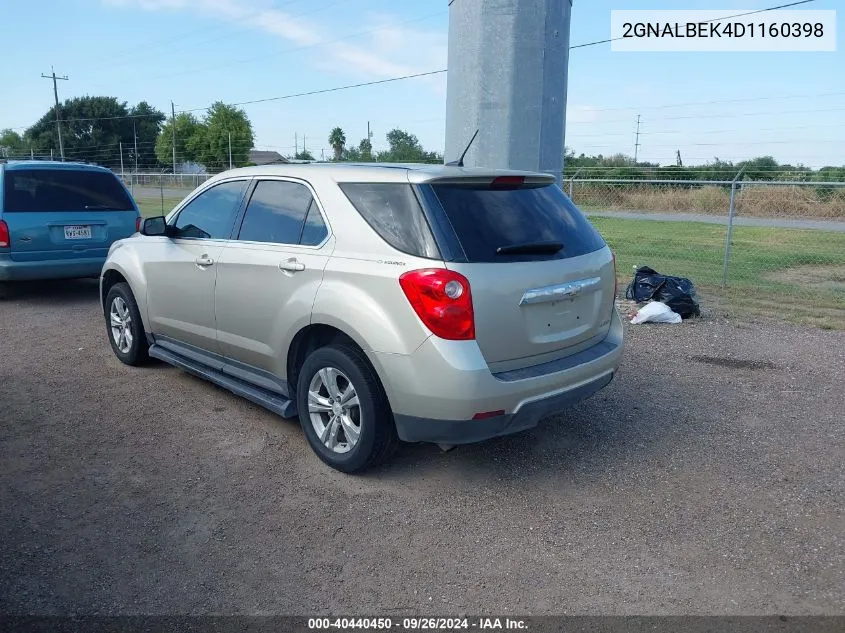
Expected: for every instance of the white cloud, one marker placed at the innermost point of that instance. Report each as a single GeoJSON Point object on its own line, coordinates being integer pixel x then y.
{"type": "Point", "coordinates": [386, 47]}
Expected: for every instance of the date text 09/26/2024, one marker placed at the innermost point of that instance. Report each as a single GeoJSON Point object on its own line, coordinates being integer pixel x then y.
{"type": "Point", "coordinates": [417, 624]}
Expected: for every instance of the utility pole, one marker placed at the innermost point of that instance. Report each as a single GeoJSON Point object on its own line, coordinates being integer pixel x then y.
{"type": "Point", "coordinates": [230, 150]}
{"type": "Point", "coordinates": [637, 142]}
{"type": "Point", "coordinates": [678, 160]}
{"type": "Point", "coordinates": [51, 153]}
{"type": "Point", "coordinates": [135, 136]}
{"type": "Point", "coordinates": [295, 144]}
{"type": "Point", "coordinates": [121, 158]}
{"type": "Point", "coordinates": [173, 125]}
{"type": "Point", "coordinates": [56, 95]}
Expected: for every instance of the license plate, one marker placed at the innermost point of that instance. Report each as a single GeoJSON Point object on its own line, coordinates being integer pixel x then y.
{"type": "Point", "coordinates": [77, 232]}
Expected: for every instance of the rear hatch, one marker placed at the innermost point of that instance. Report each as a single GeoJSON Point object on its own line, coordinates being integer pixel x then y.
{"type": "Point", "coordinates": [65, 213]}
{"type": "Point", "coordinates": [541, 277]}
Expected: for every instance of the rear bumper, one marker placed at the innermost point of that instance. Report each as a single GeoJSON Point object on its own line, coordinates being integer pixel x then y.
{"type": "Point", "coordinates": [413, 429]}
{"type": "Point", "coordinates": [435, 391]}
{"type": "Point", "coordinates": [50, 269]}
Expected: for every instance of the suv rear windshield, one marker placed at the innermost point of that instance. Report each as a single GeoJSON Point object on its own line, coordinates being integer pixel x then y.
{"type": "Point", "coordinates": [486, 220]}
{"type": "Point", "coordinates": [63, 190]}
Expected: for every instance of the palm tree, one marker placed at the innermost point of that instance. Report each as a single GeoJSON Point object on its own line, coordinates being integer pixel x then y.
{"type": "Point", "coordinates": [337, 139]}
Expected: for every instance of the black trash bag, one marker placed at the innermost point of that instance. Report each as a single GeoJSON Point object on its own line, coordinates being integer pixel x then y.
{"type": "Point", "coordinates": [676, 292]}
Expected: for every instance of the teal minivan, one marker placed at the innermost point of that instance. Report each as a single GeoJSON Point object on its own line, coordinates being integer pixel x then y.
{"type": "Point", "coordinates": [58, 220]}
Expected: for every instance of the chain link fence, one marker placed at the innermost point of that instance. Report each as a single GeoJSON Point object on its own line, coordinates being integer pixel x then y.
{"type": "Point", "coordinates": [770, 247]}
{"type": "Point", "coordinates": [158, 192]}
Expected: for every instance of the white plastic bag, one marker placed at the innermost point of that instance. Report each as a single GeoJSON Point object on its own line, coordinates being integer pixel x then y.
{"type": "Point", "coordinates": [656, 312]}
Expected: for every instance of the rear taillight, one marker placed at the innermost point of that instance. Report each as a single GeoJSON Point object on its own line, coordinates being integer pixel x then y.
{"type": "Point", "coordinates": [139, 222]}
{"type": "Point", "coordinates": [4, 234]}
{"type": "Point", "coordinates": [442, 300]}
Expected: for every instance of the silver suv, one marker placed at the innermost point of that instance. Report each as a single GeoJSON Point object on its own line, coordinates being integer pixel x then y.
{"type": "Point", "coordinates": [375, 302]}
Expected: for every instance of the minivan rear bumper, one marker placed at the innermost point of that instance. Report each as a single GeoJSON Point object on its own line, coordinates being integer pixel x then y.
{"type": "Point", "coordinates": [49, 269]}
{"type": "Point", "coordinates": [436, 391]}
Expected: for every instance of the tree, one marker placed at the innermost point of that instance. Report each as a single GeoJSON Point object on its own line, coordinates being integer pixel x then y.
{"type": "Point", "coordinates": [365, 148]}
{"type": "Point", "coordinates": [221, 123]}
{"type": "Point", "coordinates": [405, 148]}
{"type": "Point", "coordinates": [361, 154]}
{"type": "Point", "coordinates": [337, 139]}
{"type": "Point", "coordinates": [189, 133]}
{"type": "Point", "coordinates": [92, 128]}
{"type": "Point", "coordinates": [11, 143]}
{"type": "Point", "coordinates": [146, 121]}
{"type": "Point", "coordinates": [303, 154]}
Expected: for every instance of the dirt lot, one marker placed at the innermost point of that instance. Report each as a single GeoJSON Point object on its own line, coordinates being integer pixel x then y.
{"type": "Point", "coordinates": [708, 478]}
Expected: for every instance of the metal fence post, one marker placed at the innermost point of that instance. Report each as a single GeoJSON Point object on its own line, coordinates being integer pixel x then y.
{"type": "Point", "coordinates": [731, 212]}
{"type": "Point", "coordinates": [572, 180]}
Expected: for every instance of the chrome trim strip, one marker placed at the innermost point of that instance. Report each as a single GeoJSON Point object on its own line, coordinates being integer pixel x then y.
{"type": "Point", "coordinates": [560, 291]}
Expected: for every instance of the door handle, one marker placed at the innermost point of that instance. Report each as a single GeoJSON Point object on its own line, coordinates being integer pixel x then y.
{"type": "Point", "coordinates": [203, 261]}
{"type": "Point", "coordinates": [291, 265]}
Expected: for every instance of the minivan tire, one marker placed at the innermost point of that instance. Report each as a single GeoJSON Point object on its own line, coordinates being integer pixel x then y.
{"type": "Point", "coordinates": [377, 440]}
{"type": "Point", "coordinates": [138, 350]}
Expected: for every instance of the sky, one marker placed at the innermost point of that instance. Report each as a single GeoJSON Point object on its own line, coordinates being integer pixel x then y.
{"type": "Point", "coordinates": [732, 106]}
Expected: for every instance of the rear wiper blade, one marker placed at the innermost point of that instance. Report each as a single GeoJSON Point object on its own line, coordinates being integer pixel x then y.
{"type": "Point", "coordinates": [530, 248]}
{"type": "Point", "coordinates": [97, 207]}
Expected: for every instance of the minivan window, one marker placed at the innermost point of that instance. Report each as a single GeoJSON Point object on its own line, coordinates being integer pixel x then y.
{"type": "Point", "coordinates": [276, 212]}
{"type": "Point", "coordinates": [392, 210]}
{"type": "Point", "coordinates": [493, 224]}
{"type": "Point", "coordinates": [212, 213]}
{"type": "Point", "coordinates": [27, 190]}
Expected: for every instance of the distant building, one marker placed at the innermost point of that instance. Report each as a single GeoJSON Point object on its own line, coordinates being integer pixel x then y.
{"type": "Point", "coordinates": [261, 157]}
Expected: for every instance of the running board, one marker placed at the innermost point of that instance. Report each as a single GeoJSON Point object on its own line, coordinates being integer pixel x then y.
{"type": "Point", "coordinates": [272, 401]}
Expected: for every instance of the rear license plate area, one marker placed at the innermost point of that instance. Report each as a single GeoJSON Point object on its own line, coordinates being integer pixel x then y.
{"type": "Point", "coordinates": [78, 232]}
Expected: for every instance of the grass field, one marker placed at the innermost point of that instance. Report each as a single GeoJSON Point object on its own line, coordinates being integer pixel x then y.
{"type": "Point", "coordinates": [794, 274]}
{"type": "Point", "coordinates": [152, 206]}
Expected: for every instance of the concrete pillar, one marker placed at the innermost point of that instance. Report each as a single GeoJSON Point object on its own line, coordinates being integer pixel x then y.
{"type": "Point", "coordinates": [508, 68]}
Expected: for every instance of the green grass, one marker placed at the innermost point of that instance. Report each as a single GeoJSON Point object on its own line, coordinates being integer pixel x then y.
{"type": "Point", "coordinates": [784, 273]}
{"type": "Point", "coordinates": [152, 206]}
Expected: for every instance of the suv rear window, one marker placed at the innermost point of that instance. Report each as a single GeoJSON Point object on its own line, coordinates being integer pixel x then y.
{"type": "Point", "coordinates": [63, 190]}
{"type": "Point", "coordinates": [392, 210]}
{"type": "Point", "coordinates": [486, 219]}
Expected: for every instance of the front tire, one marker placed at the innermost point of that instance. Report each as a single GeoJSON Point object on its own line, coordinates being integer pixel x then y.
{"type": "Point", "coordinates": [343, 409]}
{"type": "Point", "coordinates": [125, 329]}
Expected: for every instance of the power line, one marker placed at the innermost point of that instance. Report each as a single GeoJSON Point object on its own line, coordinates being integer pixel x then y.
{"type": "Point", "coordinates": [729, 17]}
{"type": "Point", "coordinates": [325, 90]}
{"type": "Point", "coordinates": [717, 101]}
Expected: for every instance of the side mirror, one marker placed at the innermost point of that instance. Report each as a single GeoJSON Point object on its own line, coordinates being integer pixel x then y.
{"type": "Point", "coordinates": [154, 226]}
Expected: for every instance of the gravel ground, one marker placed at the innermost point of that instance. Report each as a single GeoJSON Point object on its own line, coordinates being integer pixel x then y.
{"type": "Point", "coordinates": [707, 478]}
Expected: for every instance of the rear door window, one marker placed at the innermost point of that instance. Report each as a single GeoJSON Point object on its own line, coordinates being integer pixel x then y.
{"type": "Point", "coordinates": [42, 190]}
{"type": "Point", "coordinates": [211, 214]}
{"type": "Point", "coordinates": [282, 212]}
{"type": "Point", "coordinates": [392, 210]}
{"type": "Point", "coordinates": [487, 220]}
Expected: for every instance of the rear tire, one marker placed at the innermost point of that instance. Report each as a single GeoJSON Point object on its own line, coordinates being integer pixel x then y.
{"type": "Point", "coordinates": [346, 418]}
{"type": "Point", "coordinates": [124, 326]}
